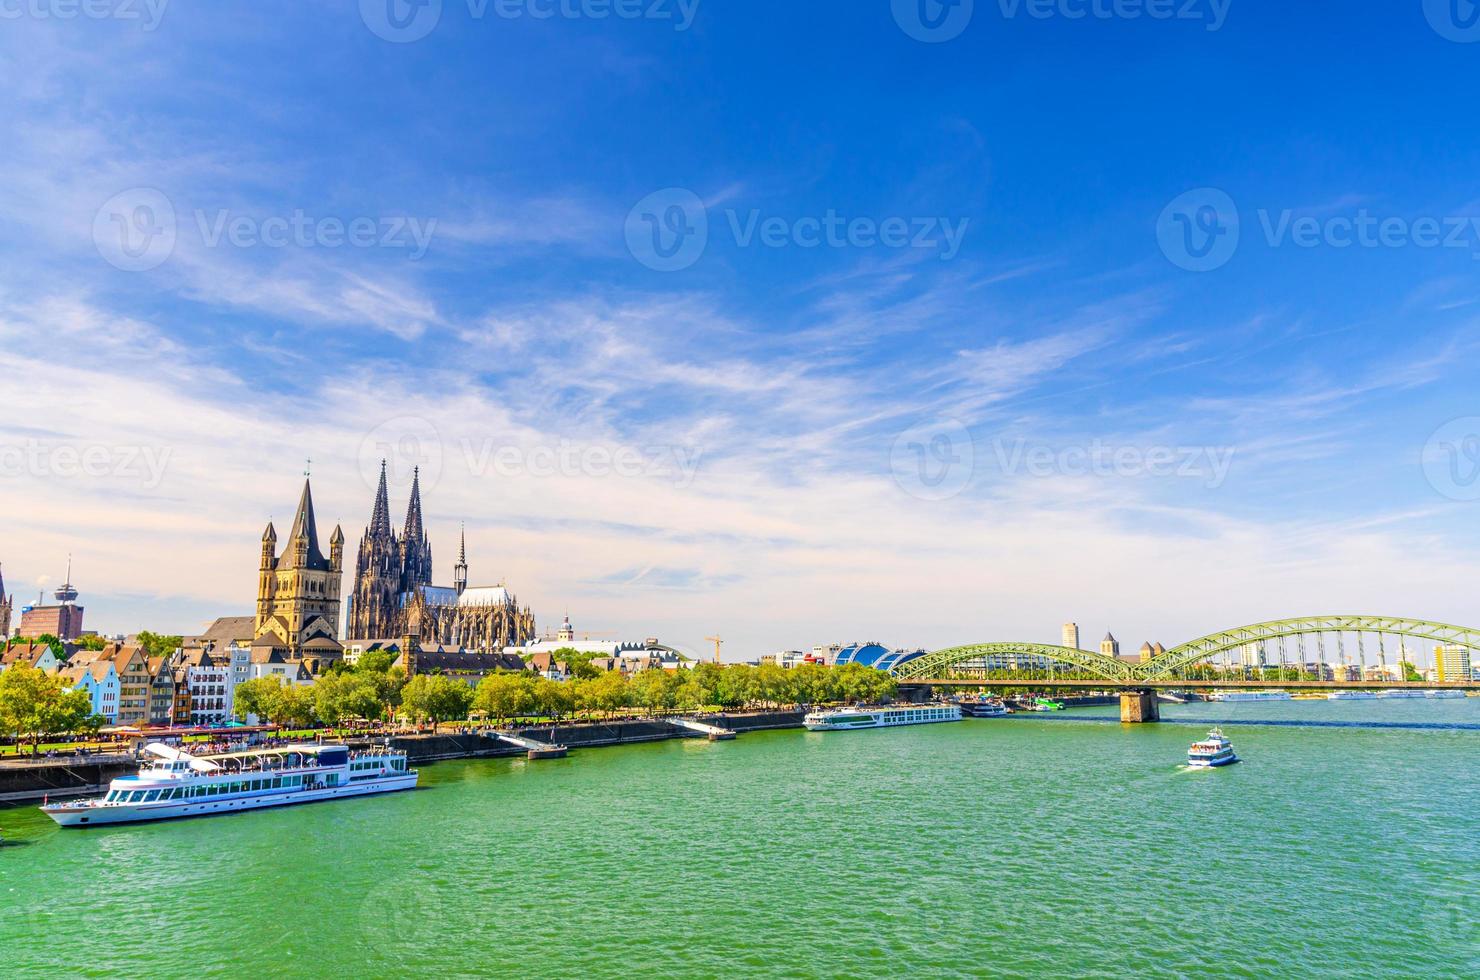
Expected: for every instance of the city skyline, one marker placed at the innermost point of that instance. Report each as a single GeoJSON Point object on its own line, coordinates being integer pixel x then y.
{"type": "Point", "coordinates": [1047, 408]}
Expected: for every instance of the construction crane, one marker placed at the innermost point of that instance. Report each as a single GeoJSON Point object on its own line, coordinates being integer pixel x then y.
{"type": "Point", "coordinates": [716, 641]}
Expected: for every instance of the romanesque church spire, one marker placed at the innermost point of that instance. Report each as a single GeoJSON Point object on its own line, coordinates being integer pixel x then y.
{"type": "Point", "coordinates": [303, 540]}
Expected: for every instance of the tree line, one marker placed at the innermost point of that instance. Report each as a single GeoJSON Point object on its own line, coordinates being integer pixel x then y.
{"type": "Point", "coordinates": [373, 690]}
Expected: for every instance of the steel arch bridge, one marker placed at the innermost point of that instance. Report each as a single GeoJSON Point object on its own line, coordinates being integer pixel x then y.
{"type": "Point", "coordinates": [1201, 650]}
{"type": "Point", "coordinates": [937, 664]}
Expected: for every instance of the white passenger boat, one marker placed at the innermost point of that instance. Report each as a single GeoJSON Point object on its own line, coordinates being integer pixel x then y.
{"type": "Point", "coordinates": [847, 719]}
{"type": "Point", "coordinates": [1351, 696]}
{"type": "Point", "coordinates": [983, 708]}
{"type": "Point", "coordinates": [1400, 692]}
{"type": "Point", "coordinates": [178, 784]}
{"type": "Point", "coordinates": [1211, 752]}
{"type": "Point", "coordinates": [1443, 695]}
{"type": "Point", "coordinates": [1250, 696]}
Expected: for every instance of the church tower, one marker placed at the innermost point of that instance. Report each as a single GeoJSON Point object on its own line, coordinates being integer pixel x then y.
{"type": "Point", "coordinates": [7, 605]}
{"type": "Point", "coordinates": [375, 603]}
{"type": "Point", "coordinates": [298, 591]}
{"type": "Point", "coordinates": [416, 550]}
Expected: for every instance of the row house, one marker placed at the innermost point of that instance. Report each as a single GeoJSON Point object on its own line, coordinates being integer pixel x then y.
{"type": "Point", "coordinates": [100, 681]}
{"type": "Point", "coordinates": [38, 655]}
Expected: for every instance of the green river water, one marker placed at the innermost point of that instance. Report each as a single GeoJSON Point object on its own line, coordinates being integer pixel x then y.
{"type": "Point", "coordinates": [1020, 846]}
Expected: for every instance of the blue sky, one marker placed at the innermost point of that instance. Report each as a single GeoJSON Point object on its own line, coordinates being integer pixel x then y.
{"type": "Point", "coordinates": [772, 403]}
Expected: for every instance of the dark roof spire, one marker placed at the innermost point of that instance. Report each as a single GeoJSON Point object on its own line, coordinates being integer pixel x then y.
{"type": "Point", "coordinates": [414, 530]}
{"type": "Point", "coordinates": [304, 527]}
{"type": "Point", "coordinates": [380, 520]}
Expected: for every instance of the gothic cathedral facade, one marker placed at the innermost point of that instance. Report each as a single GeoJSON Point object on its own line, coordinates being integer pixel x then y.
{"type": "Point", "coordinates": [394, 596]}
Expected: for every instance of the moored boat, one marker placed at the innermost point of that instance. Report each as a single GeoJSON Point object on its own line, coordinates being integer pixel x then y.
{"type": "Point", "coordinates": [1443, 695]}
{"type": "Point", "coordinates": [1211, 752]}
{"type": "Point", "coordinates": [178, 784]}
{"type": "Point", "coordinates": [983, 708]}
{"type": "Point", "coordinates": [1351, 696]}
{"type": "Point", "coordinates": [848, 719]}
{"type": "Point", "coordinates": [1275, 695]}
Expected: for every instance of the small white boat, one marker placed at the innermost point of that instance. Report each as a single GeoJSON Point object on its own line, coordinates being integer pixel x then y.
{"type": "Point", "coordinates": [1351, 696]}
{"type": "Point", "coordinates": [983, 708]}
{"type": "Point", "coordinates": [848, 719]}
{"type": "Point", "coordinates": [1211, 752]}
{"type": "Point", "coordinates": [178, 784]}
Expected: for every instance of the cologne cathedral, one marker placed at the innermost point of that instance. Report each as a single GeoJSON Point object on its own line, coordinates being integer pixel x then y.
{"type": "Point", "coordinates": [394, 595]}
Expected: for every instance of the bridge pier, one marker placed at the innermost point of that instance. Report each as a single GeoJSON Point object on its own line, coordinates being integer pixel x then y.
{"type": "Point", "coordinates": [1139, 706]}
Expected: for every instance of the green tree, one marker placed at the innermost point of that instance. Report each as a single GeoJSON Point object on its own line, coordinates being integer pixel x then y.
{"type": "Point", "coordinates": [737, 686]}
{"type": "Point", "coordinates": [505, 695]}
{"type": "Point", "coordinates": [375, 662]}
{"type": "Point", "coordinates": [770, 684]}
{"type": "Point", "coordinates": [34, 703]}
{"type": "Point", "coordinates": [159, 644]}
{"type": "Point", "coordinates": [655, 689]}
{"type": "Point", "coordinates": [584, 670]}
{"type": "Point", "coordinates": [812, 684]}
{"type": "Point", "coordinates": [341, 697]}
{"type": "Point", "coordinates": [292, 705]}
{"type": "Point", "coordinates": [254, 697]}
{"type": "Point", "coordinates": [606, 693]}
{"type": "Point", "coordinates": [553, 699]}
{"type": "Point", "coordinates": [429, 697]}
{"type": "Point", "coordinates": [90, 642]}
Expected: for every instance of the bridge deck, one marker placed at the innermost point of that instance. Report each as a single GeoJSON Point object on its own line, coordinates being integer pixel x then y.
{"type": "Point", "coordinates": [1096, 684]}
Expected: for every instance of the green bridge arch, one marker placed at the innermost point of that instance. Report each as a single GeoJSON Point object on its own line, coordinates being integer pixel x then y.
{"type": "Point", "coordinates": [939, 662]}
{"type": "Point", "coordinates": [1205, 647]}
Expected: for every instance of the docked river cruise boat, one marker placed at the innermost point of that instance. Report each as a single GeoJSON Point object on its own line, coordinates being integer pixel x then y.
{"type": "Point", "coordinates": [847, 719]}
{"type": "Point", "coordinates": [983, 708]}
{"type": "Point", "coordinates": [1211, 752]}
{"type": "Point", "coordinates": [177, 784]}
